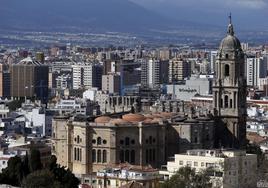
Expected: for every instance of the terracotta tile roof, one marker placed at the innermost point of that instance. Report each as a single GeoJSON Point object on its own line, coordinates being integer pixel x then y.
{"type": "Point", "coordinates": [255, 138]}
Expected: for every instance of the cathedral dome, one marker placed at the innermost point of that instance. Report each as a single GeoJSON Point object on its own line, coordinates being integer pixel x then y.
{"type": "Point", "coordinates": [230, 42]}
{"type": "Point", "coordinates": [102, 119]}
{"type": "Point", "coordinates": [133, 117]}
{"type": "Point", "coordinates": [119, 121]}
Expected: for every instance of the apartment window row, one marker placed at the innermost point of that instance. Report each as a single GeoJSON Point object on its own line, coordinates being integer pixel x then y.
{"type": "Point", "coordinates": [99, 156]}
{"type": "Point", "coordinates": [195, 164]}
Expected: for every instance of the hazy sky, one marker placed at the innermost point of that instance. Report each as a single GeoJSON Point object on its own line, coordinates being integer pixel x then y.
{"type": "Point", "coordinates": [246, 13]}
{"type": "Point", "coordinates": [249, 4]}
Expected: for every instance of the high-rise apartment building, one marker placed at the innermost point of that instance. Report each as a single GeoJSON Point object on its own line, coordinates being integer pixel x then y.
{"type": "Point", "coordinates": [4, 80]}
{"type": "Point", "coordinates": [179, 69]}
{"type": "Point", "coordinates": [87, 75]}
{"type": "Point", "coordinates": [150, 73]}
{"type": "Point", "coordinates": [164, 54]}
{"type": "Point", "coordinates": [256, 69]}
{"type": "Point", "coordinates": [213, 56]}
{"type": "Point", "coordinates": [111, 83]}
{"type": "Point", "coordinates": [29, 78]}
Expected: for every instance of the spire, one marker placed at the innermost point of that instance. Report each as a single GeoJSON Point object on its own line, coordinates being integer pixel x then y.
{"type": "Point", "coordinates": [230, 26]}
{"type": "Point", "coordinates": [230, 18]}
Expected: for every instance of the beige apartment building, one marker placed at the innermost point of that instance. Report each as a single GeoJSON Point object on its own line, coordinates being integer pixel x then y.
{"type": "Point", "coordinates": [230, 168]}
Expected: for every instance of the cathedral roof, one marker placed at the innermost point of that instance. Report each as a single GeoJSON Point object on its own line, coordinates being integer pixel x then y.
{"type": "Point", "coordinates": [230, 42]}
{"type": "Point", "coordinates": [102, 119]}
{"type": "Point", "coordinates": [119, 121]}
{"type": "Point", "coordinates": [134, 117]}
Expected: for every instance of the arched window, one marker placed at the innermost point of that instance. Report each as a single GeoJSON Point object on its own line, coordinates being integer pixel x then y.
{"type": "Point", "coordinates": [132, 156]}
{"type": "Point", "coordinates": [221, 103]}
{"type": "Point", "coordinates": [147, 156]}
{"type": "Point", "coordinates": [99, 156]}
{"type": "Point", "coordinates": [226, 70]}
{"type": "Point", "coordinates": [99, 140]}
{"type": "Point", "coordinates": [80, 154]}
{"type": "Point", "coordinates": [127, 155]}
{"type": "Point", "coordinates": [195, 139]}
{"type": "Point", "coordinates": [234, 99]}
{"type": "Point", "coordinates": [226, 101]}
{"type": "Point", "coordinates": [78, 139]}
{"type": "Point", "coordinates": [150, 140]}
{"type": "Point", "coordinates": [226, 56]}
{"type": "Point", "coordinates": [75, 154]}
{"type": "Point", "coordinates": [93, 155]}
{"type": "Point", "coordinates": [150, 155]}
{"type": "Point", "coordinates": [127, 141]}
{"type": "Point", "coordinates": [153, 155]}
{"type": "Point", "coordinates": [231, 103]}
{"type": "Point", "coordinates": [104, 156]}
{"type": "Point", "coordinates": [122, 156]}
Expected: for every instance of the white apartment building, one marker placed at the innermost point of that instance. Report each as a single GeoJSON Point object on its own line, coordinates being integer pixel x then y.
{"type": "Point", "coordinates": [150, 73]}
{"type": "Point", "coordinates": [87, 75]}
{"type": "Point", "coordinates": [213, 57]}
{"type": "Point", "coordinates": [256, 69]}
{"type": "Point", "coordinates": [231, 168]}
{"type": "Point", "coordinates": [121, 174]}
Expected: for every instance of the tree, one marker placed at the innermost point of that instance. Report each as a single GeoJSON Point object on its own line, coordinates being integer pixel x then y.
{"type": "Point", "coordinates": [53, 163]}
{"type": "Point", "coordinates": [18, 173]}
{"type": "Point", "coordinates": [65, 177]}
{"type": "Point", "coordinates": [41, 179]}
{"type": "Point", "coordinates": [255, 149]}
{"type": "Point", "coordinates": [14, 105]}
{"type": "Point", "coordinates": [186, 177]}
{"type": "Point", "coordinates": [13, 174]}
{"type": "Point", "coordinates": [25, 166]}
{"type": "Point", "coordinates": [35, 160]}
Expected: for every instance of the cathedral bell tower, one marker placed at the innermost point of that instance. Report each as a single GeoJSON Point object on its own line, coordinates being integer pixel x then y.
{"type": "Point", "coordinates": [229, 93]}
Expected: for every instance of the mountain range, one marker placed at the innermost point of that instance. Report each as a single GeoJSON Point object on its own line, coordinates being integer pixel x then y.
{"type": "Point", "coordinates": [97, 16]}
{"type": "Point", "coordinates": [84, 15]}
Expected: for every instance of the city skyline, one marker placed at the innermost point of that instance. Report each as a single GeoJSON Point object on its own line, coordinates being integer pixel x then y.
{"type": "Point", "coordinates": [133, 93]}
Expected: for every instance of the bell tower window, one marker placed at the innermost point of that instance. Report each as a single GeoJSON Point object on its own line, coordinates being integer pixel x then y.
{"type": "Point", "coordinates": [225, 101]}
{"type": "Point", "coordinates": [226, 70]}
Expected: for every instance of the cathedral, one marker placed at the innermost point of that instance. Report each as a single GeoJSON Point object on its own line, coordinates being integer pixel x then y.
{"type": "Point", "coordinates": [229, 93]}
